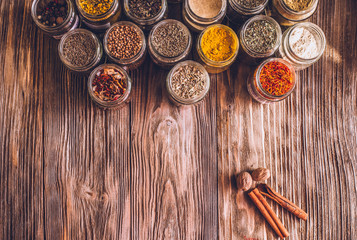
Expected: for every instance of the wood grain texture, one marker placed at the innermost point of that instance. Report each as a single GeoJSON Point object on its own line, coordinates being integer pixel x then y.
{"type": "Point", "coordinates": [153, 170]}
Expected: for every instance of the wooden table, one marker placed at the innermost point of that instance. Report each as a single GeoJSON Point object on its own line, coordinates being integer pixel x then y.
{"type": "Point", "coordinates": [151, 170]}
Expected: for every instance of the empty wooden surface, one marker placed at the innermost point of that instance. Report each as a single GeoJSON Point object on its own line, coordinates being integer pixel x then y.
{"type": "Point", "coordinates": [151, 170]}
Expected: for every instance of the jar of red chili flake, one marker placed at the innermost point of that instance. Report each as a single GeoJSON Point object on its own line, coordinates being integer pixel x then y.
{"type": "Point", "coordinates": [109, 86]}
{"type": "Point", "coordinates": [273, 81]}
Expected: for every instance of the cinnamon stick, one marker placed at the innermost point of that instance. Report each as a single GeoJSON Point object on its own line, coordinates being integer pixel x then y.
{"type": "Point", "coordinates": [268, 213]}
{"type": "Point", "coordinates": [265, 190]}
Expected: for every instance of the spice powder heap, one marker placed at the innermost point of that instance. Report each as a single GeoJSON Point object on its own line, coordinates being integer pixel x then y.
{"type": "Point", "coordinates": [170, 39]}
{"type": "Point", "coordinates": [109, 84]}
{"type": "Point", "coordinates": [298, 5]}
{"type": "Point", "coordinates": [303, 43]}
{"type": "Point", "coordinates": [144, 9]}
{"type": "Point", "coordinates": [96, 7]}
{"type": "Point", "coordinates": [52, 13]}
{"type": "Point", "coordinates": [218, 44]}
{"type": "Point", "coordinates": [250, 3]}
{"type": "Point", "coordinates": [260, 36]}
{"type": "Point", "coordinates": [124, 42]}
{"type": "Point", "coordinates": [205, 9]}
{"type": "Point", "coordinates": [188, 82]}
{"type": "Point", "coordinates": [276, 78]}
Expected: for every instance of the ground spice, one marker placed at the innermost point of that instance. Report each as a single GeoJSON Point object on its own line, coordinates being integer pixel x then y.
{"type": "Point", "coordinates": [219, 44]}
{"type": "Point", "coordinates": [298, 5]}
{"type": "Point", "coordinates": [109, 84]}
{"type": "Point", "coordinates": [95, 7]}
{"type": "Point", "coordinates": [52, 13]}
{"type": "Point", "coordinates": [260, 36]}
{"type": "Point", "coordinates": [276, 78]}
{"type": "Point", "coordinates": [250, 3]}
{"type": "Point", "coordinates": [144, 9]}
{"type": "Point", "coordinates": [170, 39]}
{"type": "Point", "coordinates": [124, 42]}
{"type": "Point", "coordinates": [303, 43]}
{"type": "Point", "coordinates": [205, 9]}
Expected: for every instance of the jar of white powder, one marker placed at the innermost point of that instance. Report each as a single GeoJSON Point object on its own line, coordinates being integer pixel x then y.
{"type": "Point", "coordinates": [302, 45]}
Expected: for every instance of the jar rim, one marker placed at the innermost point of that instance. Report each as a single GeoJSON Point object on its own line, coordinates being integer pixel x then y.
{"type": "Point", "coordinates": [203, 19]}
{"type": "Point", "coordinates": [241, 8]}
{"type": "Point", "coordinates": [303, 12]}
{"type": "Point", "coordinates": [96, 17]}
{"type": "Point", "coordinates": [133, 17]}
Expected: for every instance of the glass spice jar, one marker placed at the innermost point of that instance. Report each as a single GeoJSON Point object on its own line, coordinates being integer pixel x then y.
{"type": "Point", "coordinates": [145, 18]}
{"type": "Point", "coordinates": [187, 83]}
{"type": "Point", "coordinates": [100, 17]}
{"type": "Point", "coordinates": [170, 41]}
{"type": "Point", "coordinates": [272, 81]}
{"type": "Point", "coordinates": [288, 12]}
{"type": "Point", "coordinates": [70, 22]}
{"type": "Point", "coordinates": [198, 14]}
{"type": "Point", "coordinates": [80, 50]}
{"type": "Point", "coordinates": [303, 44]}
{"type": "Point", "coordinates": [116, 83]}
{"type": "Point", "coordinates": [217, 48]}
{"type": "Point", "coordinates": [239, 11]}
{"type": "Point", "coordinates": [125, 44]}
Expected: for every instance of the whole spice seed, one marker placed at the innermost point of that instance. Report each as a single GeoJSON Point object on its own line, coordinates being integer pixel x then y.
{"type": "Point", "coordinates": [250, 3]}
{"type": "Point", "coordinates": [298, 5]}
{"type": "Point", "coordinates": [261, 36]}
{"type": "Point", "coordinates": [79, 49]}
{"type": "Point", "coordinates": [52, 13]}
{"type": "Point", "coordinates": [109, 84]}
{"type": "Point", "coordinates": [144, 9]}
{"type": "Point", "coordinates": [276, 78]}
{"type": "Point", "coordinates": [170, 39]}
{"type": "Point", "coordinates": [205, 9]}
{"type": "Point", "coordinates": [95, 7]}
{"type": "Point", "coordinates": [188, 82]}
{"type": "Point", "coordinates": [244, 181]}
{"type": "Point", "coordinates": [124, 42]}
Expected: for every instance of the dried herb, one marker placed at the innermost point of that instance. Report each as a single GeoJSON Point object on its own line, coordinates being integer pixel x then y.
{"type": "Point", "coordinates": [145, 8]}
{"type": "Point", "coordinates": [250, 3]}
{"type": "Point", "coordinates": [260, 36]}
{"type": "Point", "coordinates": [95, 7]}
{"type": "Point", "coordinates": [109, 84]}
{"type": "Point", "coordinates": [52, 13]}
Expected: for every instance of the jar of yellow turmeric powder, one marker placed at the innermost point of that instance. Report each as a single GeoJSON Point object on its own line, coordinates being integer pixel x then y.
{"type": "Point", "coordinates": [217, 48]}
{"type": "Point", "coordinates": [99, 15]}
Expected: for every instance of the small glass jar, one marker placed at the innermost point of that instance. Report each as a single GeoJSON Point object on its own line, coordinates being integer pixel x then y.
{"type": "Point", "coordinates": [94, 62]}
{"type": "Point", "coordinates": [147, 23]}
{"type": "Point", "coordinates": [238, 14]}
{"type": "Point", "coordinates": [127, 63]}
{"type": "Point", "coordinates": [256, 90]}
{"type": "Point", "coordinates": [125, 98]}
{"type": "Point", "coordinates": [252, 55]}
{"type": "Point", "coordinates": [288, 17]}
{"type": "Point", "coordinates": [71, 22]}
{"type": "Point", "coordinates": [211, 65]}
{"type": "Point", "coordinates": [100, 23]}
{"type": "Point", "coordinates": [178, 100]}
{"type": "Point", "coordinates": [198, 23]}
{"type": "Point", "coordinates": [164, 61]}
{"type": "Point", "coordinates": [299, 62]}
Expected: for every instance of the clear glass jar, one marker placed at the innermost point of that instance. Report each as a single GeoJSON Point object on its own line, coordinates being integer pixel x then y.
{"type": "Point", "coordinates": [216, 66]}
{"type": "Point", "coordinates": [177, 100]}
{"type": "Point", "coordinates": [147, 23]}
{"type": "Point", "coordinates": [286, 52]}
{"type": "Point", "coordinates": [100, 23]}
{"type": "Point", "coordinates": [288, 17]}
{"type": "Point", "coordinates": [164, 61]}
{"type": "Point", "coordinates": [125, 98]}
{"type": "Point", "coordinates": [251, 55]}
{"type": "Point", "coordinates": [94, 62]}
{"type": "Point", "coordinates": [256, 90]}
{"type": "Point", "coordinates": [128, 63]}
{"type": "Point", "coordinates": [70, 23]}
{"type": "Point", "coordinates": [197, 23]}
{"type": "Point", "coordinates": [238, 14]}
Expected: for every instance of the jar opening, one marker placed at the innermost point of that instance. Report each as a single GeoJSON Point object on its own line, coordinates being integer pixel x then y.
{"type": "Point", "coordinates": [298, 7]}
{"type": "Point", "coordinates": [92, 10]}
{"type": "Point", "coordinates": [248, 6]}
{"type": "Point", "coordinates": [145, 9]}
{"type": "Point", "coordinates": [200, 10]}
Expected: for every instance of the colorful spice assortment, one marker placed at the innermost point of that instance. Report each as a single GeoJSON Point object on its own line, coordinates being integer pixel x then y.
{"type": "Point", "coordinates": [95, 7]}
{"type": "Point", "coordinates": [219, 43]}
{"type": "Point", "coordinates": [124, 41]}
{"type": "Point", "coordinates": [250, 3]}
{"type": "Point", "coordinates": [109, 84]}
{"type": "Point", "coordinates": [260, 36]}
{"type": "Point", "coordinates": [205, 9]}
{"type": "Point", "coordinates": [298, 5]}
{"type": "Point", "coordinates": [276, 78]}
{"type": "Point", "coordinates": [144, 9]}
{"type": "Point", "coordinates": [52, 13]}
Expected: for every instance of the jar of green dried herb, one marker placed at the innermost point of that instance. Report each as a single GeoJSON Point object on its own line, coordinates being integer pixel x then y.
{"type": "Point", "coordinates": [55, 18]}
{"type": "Point", "coordinates": [170, 41]}
{"type": "Point", "coordinates": [238, 11]}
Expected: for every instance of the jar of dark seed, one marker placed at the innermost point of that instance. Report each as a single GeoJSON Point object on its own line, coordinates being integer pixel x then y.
{"type": "Point", "coordinates": [187, 83]}
{"type": "Point", "coordinates": [198, 14]}
{"type": "Point", "coordinates": [239, 11]}
{"type": "Point", "coordinates": [145, 13]}
{"type": "Point", "coordinates": [170, 41]}
{"type": "Point", "coordinates": [99, 15]}
{"type": "Point", "coordinates": [125, 44]}
{"type": "Point", "coordinates": [80, 50]}
{"type": "Point", "coordinates": [260, 37]}
{"type": "Point", "coordinates": [109, 86]}
{"type": "Point", "coordinates": [54, 17]}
